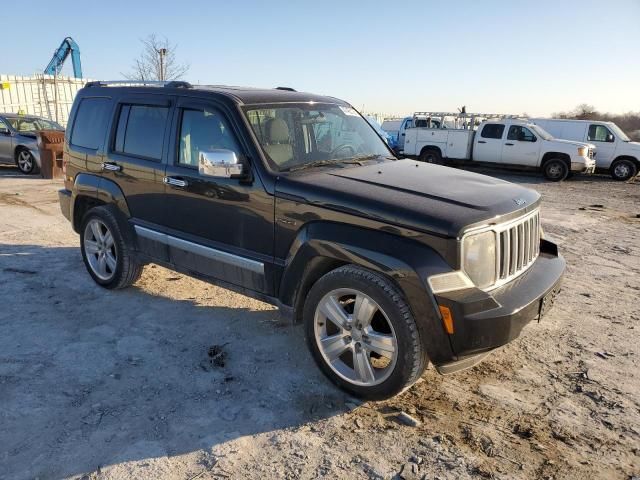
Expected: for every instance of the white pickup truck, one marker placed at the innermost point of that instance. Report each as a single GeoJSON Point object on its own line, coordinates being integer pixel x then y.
{"type": "Point", "coordinates": [617, 154]}
{"type": "Point", "coordinates": [498, 141]}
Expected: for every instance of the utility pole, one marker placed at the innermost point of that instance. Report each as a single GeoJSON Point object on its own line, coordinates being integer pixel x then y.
{"type": "Point", "coordinates": [163, 54]}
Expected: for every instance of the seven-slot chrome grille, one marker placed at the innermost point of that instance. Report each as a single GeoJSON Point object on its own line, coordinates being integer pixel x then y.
{"type": "Point", "coordinates": [517, 246]}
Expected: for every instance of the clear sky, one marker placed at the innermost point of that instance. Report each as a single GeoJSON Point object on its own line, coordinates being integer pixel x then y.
{"type": "Point", "coordinates": [535, 56]}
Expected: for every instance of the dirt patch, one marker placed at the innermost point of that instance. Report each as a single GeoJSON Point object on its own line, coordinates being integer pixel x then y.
{"type": "Point", "coordinates": [176, 378]}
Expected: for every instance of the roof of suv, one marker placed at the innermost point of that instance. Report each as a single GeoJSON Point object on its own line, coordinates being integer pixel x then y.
{"type": "Point", "coordinates": [245, 95]}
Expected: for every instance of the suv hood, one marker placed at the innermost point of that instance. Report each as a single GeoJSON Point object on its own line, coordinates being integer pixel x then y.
{"type": "Point", "coordinates": [419, 196]}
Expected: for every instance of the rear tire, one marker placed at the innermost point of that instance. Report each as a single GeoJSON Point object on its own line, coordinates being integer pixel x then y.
{"type": "Point", "coordinates": [555, 170]}
{"type": "Point", "coordinates": [368, 342]}
{"type": "Point", "coordinates": [431, 156]}
{"type": "Point", "coordinates": [622, 170]}
{"type": "Point", "coordinates": [107, 254]}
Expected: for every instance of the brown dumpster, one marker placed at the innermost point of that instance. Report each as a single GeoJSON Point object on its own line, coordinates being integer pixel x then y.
{"type": "Point", "coordinates": [50, 143]}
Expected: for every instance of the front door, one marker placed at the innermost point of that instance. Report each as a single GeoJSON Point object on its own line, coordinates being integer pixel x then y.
{"type": "Point", "coordinates": [605, 143]}
{"type": "Point", "coordinates": [521, 147]}
{"type": "Point", "coordinates": [218, 226]}
{"type": "Point", "coordinates": [488, 146]}
{"type": "Point", "coordinates": [6, 142]}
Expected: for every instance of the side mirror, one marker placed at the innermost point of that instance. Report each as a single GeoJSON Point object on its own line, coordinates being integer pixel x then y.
{"type": "Point", "coordinates": [219, 163]}
{"type": "Point", "coordinates": [4, 131]}
{"type": "Point", "coordinates": [610, 137]}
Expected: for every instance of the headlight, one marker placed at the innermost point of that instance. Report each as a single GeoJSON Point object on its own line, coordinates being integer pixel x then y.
{"type": "Point", "coordinates": [479, 258]}
{"type": "Point", "coordinates": [583, 151]}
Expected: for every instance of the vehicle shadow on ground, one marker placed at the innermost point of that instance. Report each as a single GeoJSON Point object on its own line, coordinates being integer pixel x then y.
{"type": "Point", "coordinates": [93, 378]}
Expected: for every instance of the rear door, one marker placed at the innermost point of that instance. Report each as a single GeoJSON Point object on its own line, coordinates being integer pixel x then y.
{"type": "Point", "coordinates": [521, 147]}
{"type": "Point", "coordinates": [488, 145]}
{"type": "Point", "coordinates": [217, 226]}
{"type": "Point", "coordinates": [136, 161]}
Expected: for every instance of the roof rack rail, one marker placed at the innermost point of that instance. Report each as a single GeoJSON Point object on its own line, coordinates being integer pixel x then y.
{"type": "Point", "coordinates": [288, 89]}
{"type": "Point", "coordinates": [139, 83]}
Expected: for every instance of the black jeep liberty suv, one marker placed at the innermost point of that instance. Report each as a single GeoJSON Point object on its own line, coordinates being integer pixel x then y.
{"type": "Point", "coordinates": [294, 199]}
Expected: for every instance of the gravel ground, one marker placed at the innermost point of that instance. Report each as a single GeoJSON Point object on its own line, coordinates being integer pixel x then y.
{"type": "Point", "coordinates": [131, 384]}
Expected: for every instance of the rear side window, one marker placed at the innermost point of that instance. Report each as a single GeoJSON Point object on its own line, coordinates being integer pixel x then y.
{"type": "Point", "coordinates": [492, 130]}
{"type": "Point", "coordinates": [140, 131]}
{"type": "Point", "coordinates": [90, 123]}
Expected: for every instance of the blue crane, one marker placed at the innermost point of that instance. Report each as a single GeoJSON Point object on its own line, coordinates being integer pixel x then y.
{"type": "Point", "coordinates": [68, 46]}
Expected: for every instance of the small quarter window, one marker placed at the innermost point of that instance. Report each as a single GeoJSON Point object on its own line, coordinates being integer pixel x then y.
{"type": "Point", "coordinates": [492, 130]}
{"type": "Point", "coordinates": [90, 123]}
{"type": "Point", "coordinates": [140, 131]}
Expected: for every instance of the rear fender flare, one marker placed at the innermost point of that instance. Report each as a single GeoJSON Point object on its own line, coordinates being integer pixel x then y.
{"type": "Point", "coordinates": [99, 190]}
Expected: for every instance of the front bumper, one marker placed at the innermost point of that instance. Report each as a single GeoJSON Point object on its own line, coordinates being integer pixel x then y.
{"type": "Point", "coordinates": [484, 321]}
{"type": "Point", "coordinates": [583, 164]}
{"type": "Point", "coordinates": [64, 197]}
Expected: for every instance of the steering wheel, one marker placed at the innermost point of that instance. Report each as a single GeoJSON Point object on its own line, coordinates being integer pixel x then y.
{"type": "Point", "coordinates": [338, 151]}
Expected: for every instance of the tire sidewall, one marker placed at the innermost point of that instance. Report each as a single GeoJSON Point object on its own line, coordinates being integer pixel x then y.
{"type": "Point", "coordinates": [632, 170]}
{"type": "Point", "coordinates": [33, 162]}
{"type": "Point", "coordinates": [97, 213]}
{"type": "Point", "coordinates": [403, 368]}
{"type": "Point", "coordinates": [431, 156]}
{"type": "Point", "coordinates": [562, 176]}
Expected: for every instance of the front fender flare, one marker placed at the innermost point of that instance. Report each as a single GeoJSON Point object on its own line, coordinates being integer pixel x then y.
{"type": "Point", "coordinates": [405, 261]}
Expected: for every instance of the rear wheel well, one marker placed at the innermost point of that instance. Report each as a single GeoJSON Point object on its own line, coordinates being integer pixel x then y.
{"type": "Point", "coordinates": [316, 269]}
{"type": "Point", "coordinates": [81, 206]}
{"type": "Point", "coordinates": [556, 155]}
{"type": "Point", "coordinates": [431, 148]}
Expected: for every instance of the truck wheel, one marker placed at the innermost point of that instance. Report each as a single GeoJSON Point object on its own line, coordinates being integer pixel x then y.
{"type": "Point", "coordinates": [109, 258]}
{"type": "Point", "coordinates": [362, 334]}
{"type": "Point", "coordinates": [622, 170]}
{"type": "Point", "coordinates": [431, 156]}
{"type": "Point", "coordinates": [555, 170]}
{"type": "Point", "coordinates": [25, 161]}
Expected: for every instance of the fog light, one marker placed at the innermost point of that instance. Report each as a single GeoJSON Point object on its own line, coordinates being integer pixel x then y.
{"type": "Point", "coordinates": [447, 319]}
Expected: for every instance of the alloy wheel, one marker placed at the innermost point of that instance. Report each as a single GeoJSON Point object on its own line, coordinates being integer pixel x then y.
{"type": "Point", "coordinates": [25, 161]}
{"type": "Point", "coordinates": [355, 337]}
{"type": "Point", "coordinates": [622, 170]}
{"type": "Point", "coordinates": [100, 249]}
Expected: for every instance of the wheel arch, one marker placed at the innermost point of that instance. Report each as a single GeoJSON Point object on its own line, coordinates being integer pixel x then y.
{"type": "Point", "coordinates": [324, 246]}
{"type": "Point", "coordinates": [565, 157]}
{"type": "Point", "coordinates": [431, 148]}
{"type": "Point", "coordinates": [91, 191]}
{"type": "Point", "coordinates": [631, 158]}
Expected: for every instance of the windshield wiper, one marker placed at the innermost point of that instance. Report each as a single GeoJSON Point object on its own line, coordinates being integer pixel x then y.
{"type": "Point", "coordinates": [321, 163]}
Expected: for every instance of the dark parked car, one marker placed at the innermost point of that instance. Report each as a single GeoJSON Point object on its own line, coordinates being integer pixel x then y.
{"type": "Point", "coordinates": [18, 140]}
{"type": "Point", "coordinates": [294, 199]}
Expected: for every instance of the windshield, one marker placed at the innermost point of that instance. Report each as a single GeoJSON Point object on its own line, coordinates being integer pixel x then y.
{"type": "Point", "coordinates": [619, 133]}
{"type": "Point", "coordinates": [541, 132]}
{"type": "Point", "coordinates": [26, 125]}
{"type": "Point", "coordinates": [292, 135]}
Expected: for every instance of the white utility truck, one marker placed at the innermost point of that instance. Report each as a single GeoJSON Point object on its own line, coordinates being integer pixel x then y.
{"type": "Point", "coordinates": [617, 154]}
{"type": "Point", "coordinates": [498, 140]}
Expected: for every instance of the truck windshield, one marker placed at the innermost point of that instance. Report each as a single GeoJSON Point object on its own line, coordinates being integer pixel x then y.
{"type": "Point", "coordinates": [541, 132]}
{"type": "Point", "coordinates": [292, 135]}
{"type": "Point", "coordinates": [619, 133]}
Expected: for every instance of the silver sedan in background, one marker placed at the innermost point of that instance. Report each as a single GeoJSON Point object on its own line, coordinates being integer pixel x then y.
{"type": "Point", "coordinates": [18, 140]}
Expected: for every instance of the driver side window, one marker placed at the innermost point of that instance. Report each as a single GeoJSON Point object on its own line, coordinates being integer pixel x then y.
{"type": "Point", "coordinates": [521, 134]}
{"type": "Point", "coordinates": [204, 130]}
{"type": "Point", "coordinates": [599, 133]}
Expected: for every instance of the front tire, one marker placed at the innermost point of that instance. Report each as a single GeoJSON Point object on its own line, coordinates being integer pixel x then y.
{"type": "Point", "coordinates": [622, 170]}
{"type": "Point", "coordinates": [26, 162]}
{"type": "Point", "coordinates": [107, 254]}
{"type": "Point", "coordinates": [362, 334]}
{"type": "Point", "coordinates": [555, 170]}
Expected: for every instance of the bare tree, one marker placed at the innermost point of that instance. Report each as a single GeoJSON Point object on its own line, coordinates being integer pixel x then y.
{"type": "Point", "coordinates": [157, 61]}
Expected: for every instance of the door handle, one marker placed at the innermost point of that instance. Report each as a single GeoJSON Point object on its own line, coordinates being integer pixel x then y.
{"type": "Point", "coordinates": [510, 144]}
{"type": "Point", "coordinates": [481, 141]}
{"type": "Point", "coordinates": [111, 167]}
{"type": "Point", "coordinates": [175, 182]}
